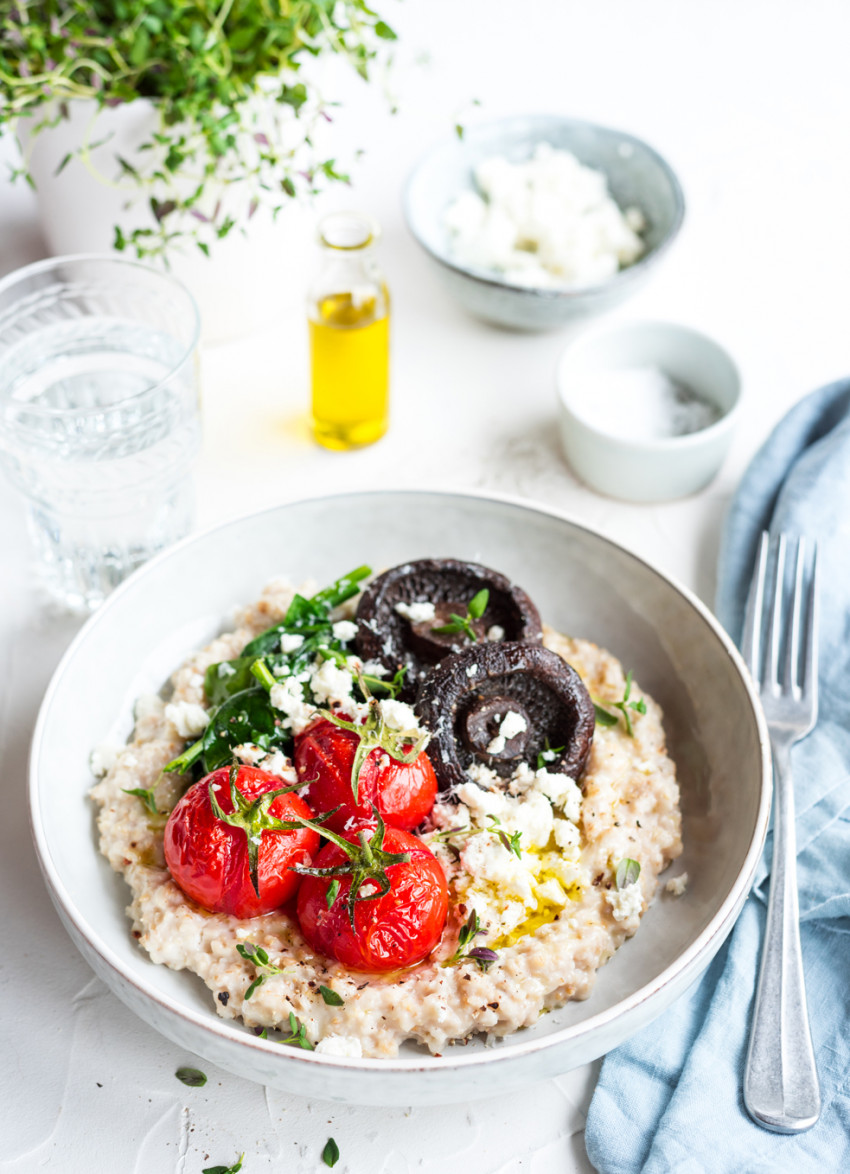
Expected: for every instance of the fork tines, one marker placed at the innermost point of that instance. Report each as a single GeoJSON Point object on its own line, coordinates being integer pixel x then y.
{"type": "Point", "coordinates": [769, 639]}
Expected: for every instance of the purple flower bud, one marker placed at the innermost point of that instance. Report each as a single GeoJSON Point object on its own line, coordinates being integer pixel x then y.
{"type": "Point", "coordinates": [484, 957]}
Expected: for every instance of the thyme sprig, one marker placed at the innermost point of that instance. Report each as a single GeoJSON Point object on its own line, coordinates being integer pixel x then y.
{"type": "Point", "coordinates": [481, 955]}
{"type": "Point", "coordinates": [298, 1033]}
{"type": "Point", "coordinates": [510, 842]}
{"type": "Point", "coordinates": [474, 611]}
{"type": "Point", "coordinates": [606, 718]}
{"type": "Point", "coordinates": [259, 959]}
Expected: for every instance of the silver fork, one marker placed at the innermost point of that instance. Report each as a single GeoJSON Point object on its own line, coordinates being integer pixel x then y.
{"type": "Point", "coordinates": [781, 1088]}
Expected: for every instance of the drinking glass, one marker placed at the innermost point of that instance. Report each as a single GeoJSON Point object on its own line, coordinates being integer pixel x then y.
{"type": "Point", "coordinates": [99, 415]}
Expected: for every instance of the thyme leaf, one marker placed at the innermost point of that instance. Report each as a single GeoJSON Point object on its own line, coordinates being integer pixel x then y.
{"type": "Point", "coordinates": [331, 997]}
{"type": "Point", "coordinates": [330, 1154]}
{"type": "Point", "coordinates": [191, 1077]}
{"type": "Point", "coordinates": [627, 873]}
{"type": "Point", "coordinates": [146, 796]}
{"type": "Point", "coordinates": [234, 1169]}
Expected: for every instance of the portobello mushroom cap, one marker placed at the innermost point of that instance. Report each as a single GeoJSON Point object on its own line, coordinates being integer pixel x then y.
{"type": "Point", "coordinates": [387, 636]}
{"type": "Point", "coordinates": [465, 702]}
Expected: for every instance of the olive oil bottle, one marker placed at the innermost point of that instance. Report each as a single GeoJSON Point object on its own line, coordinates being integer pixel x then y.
{"type": "Point", "coordinates": [349, 319]}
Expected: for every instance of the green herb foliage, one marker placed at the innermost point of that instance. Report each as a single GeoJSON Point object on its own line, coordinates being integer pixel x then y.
{"type": "Point", "coordinates": [330, 1154]}
{"type": "Point", "coordinates": [298, 1034]}
{"type": "Point", "coordinates": [474, 611]}
{"type": "Point", "coordinates": [204, 65]}
{"type": "Point", "coordinates": [374, 734]}
{"type": "Point", "coordinates": [260, 960]}
{"type": "Point", "coordinates": [331, 997]}
{"type": "Point", "coordinates": [511, 842]}
{"type": "Point", "coordinates": [146, 796]}
{"type": "Point", "coordinates": [239, 693]}
{"type": "Point", "coordinates": [547, 756]}
{"type": "Point", "coordinates": [627, 873]}
{"type": "Point", "coordinates": [366, 862]}
{"type": "Point", "coordinates": [192, 1077]}
{"type": "Point", "coordinates": [253, 818]}
{"type": "Point", "coordinates": [234, 1169]}
{"type": "Point", "coordinates": [605, 718]}
{"type": "Point", "coordinates": [469, 931]}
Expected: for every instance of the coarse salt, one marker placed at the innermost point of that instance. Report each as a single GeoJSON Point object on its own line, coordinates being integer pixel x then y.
{"type": "Point", "coordinates": [639, 403]}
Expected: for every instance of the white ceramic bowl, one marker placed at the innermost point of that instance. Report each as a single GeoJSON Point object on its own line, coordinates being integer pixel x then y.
{"type": "Point", "coordinates": [582, 583]}
{"type": "Point", "coordinates": [637, 176]}
{"type": "Point", "coordinates": [636, 469]}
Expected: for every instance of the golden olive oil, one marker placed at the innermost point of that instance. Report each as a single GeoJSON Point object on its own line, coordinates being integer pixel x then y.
{"type": "Point", "coordinates": [350, 365]}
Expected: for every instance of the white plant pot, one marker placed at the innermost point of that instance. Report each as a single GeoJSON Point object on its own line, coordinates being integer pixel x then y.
{"type": "Point", "coordinates": [250, 279]}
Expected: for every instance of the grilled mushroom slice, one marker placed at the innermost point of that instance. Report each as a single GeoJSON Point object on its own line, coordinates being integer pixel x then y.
{"type": "Point", "coordinates": [503, 704]}
{"type": "Point", "coordinates": [402, 615]}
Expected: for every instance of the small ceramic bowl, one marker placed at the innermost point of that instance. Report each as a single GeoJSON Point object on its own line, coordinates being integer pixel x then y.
{"type": "Point", "coordinates": [630, 467]}
{"type": "Point", "coordinates": [637, 176]}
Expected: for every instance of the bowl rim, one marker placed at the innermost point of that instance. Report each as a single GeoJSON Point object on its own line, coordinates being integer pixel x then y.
{"type": "Point", "coordinates": [620, 279]}
{"type": "Point", "coordinates": [230, 1032]}
{"type": "Point", "coordinates": [662, 444]}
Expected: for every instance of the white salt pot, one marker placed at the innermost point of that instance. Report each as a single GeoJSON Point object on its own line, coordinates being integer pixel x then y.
{"type": "Point", "coordinates": [637, 469]}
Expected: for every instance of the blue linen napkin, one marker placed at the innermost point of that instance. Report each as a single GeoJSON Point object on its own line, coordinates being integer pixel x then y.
{"type": "Point", "coordinates": [670, 1099]}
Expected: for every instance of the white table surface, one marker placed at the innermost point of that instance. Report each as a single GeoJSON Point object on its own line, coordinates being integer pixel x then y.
{"type": "Point", "coordinates": [751, 105]}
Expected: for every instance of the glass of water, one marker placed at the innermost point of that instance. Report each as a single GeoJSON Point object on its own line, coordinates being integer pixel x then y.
{"type": "Point", "coordinates": [99, 415]}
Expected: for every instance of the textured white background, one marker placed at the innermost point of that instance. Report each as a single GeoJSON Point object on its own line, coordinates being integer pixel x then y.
{"type": "Point", "coordinates": [751, 104]}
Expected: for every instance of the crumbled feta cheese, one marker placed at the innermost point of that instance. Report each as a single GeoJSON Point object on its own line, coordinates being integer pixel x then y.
{"type": "Point", "coordinates": [331, 683]}
{"type": "Point", "coordinates": [548, 222]}
{"type": "Point", "coordinates": [495, 634]}
{"type": "Point", "coordinates": [102, 759]}
{"type": "Point", "coordinates": [552, 892]}
{"type": "Point", "coordinates": [288, 697]}
{"type": "Point", "coordinates": [147, 705]}
{"type": "Point", "coordinates": [626, 903]}
{"type": "Point", "coordinates": [344, 630]}
{"type": "Point", "coordinates": [418, 613]}
{"type": "Point", "coordinates": [398, 716]}
{"type": "Point", "coordinates": [548, 755]}
{"type": "Point", "coordinates": [567, 835]}
{"type": "Point", "coordinates": [250, 754]}
{"type": "Point", "coordinates": [278, 764]}
{"type": "Point", "coordinates": [484, 858]}
{"type": "Point", "coordinates": [510, 725]}
{"type": "Point", "coordinates": [472, 670]}
{"type": "Point", "coordinates": [187, 717]}
{"type": "Point", "coordinates": [374, 668]}
{"type": "Point", "coordinates": [677, 884]}
{"type": "Point", "coordinates": [561, 790]}
{"type": "Point", "coordinates": [290, 641]}
{"type": "Point", "coordinates": [340, 1045]}
{"type": "Point", "coordinates": [225, 670]}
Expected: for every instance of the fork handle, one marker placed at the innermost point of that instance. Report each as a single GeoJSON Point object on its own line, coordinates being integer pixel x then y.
{"type": "Point", "coordinates": [781, 1089]}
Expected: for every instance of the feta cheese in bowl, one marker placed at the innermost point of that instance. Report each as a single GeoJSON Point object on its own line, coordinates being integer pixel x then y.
{"type": "Point", "coordinates": [546, 223]}
{"type": "Point", "coordinates": [600, 210]}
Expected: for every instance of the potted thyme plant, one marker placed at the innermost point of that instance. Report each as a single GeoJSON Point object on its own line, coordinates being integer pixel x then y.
{"type": "Point", "coordinates": [163, 128]}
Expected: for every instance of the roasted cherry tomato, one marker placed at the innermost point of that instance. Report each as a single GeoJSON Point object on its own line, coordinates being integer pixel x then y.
{"type": "Point", "coordinates": [209, 856]}
{"type": "Point", "coordinates": [403, 793]}
{"type": "Point", "coordinates": [389, 932]}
